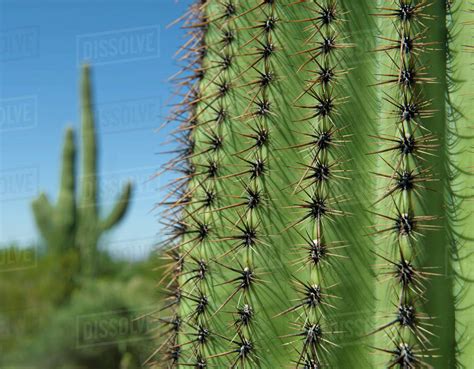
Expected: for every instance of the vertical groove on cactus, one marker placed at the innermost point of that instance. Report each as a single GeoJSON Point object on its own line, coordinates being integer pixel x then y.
{"type": "Point", "coordinates": [460, 169]}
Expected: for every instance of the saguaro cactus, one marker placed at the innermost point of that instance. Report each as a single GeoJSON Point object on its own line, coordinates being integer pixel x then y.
{"type": "Point", "coordinates": [320, 217]}
{"type": "Point", "coordinates": [73, 223]}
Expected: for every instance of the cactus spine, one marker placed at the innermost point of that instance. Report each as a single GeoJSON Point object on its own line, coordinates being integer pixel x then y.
{"type": "Point", "coordinates": [278, 219]}
{"type": "Point", "coordinates": [75, 223]}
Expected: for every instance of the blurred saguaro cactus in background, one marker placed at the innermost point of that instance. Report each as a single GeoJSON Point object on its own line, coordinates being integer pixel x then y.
{"type": "Point", "coordinates": [75, 223]}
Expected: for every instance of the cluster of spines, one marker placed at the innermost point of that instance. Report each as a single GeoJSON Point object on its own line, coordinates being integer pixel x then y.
{"type": "Point", "coordinates": [319, 182]}
{"type": "Point", "coordinates": [406, 175]}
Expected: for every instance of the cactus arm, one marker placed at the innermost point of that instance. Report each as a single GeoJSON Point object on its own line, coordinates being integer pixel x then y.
{"type": "Point", "coordinates": [43, 214]}
{"type": "Point", "coordinates": [57, 223]}
{"type": "Point", "coordinates": [66, 206]}
{"type": "Point", "coordinates": [89, 197]}
{"type": "Point", "coordinates": [356, 276]}
{"type": "Point", "coordinates": [460, 199]}
{"type": "Point", "coordinates": [119, 210]}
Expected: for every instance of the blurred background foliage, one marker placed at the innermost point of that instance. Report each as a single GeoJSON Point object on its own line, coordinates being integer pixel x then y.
{"type": "Point", "coordinates": [102, 322]}
{"type": "Point", "coordinates": [67, 303]}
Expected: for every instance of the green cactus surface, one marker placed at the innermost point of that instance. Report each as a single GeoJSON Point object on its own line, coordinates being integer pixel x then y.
{"type": "Point", "coordinates": [320, 211]}
{"type": "Point", "coordinates": [74, 223]}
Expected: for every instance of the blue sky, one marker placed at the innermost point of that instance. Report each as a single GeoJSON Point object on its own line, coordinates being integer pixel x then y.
{"type": "Point", "coordinates": [42, 44]}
